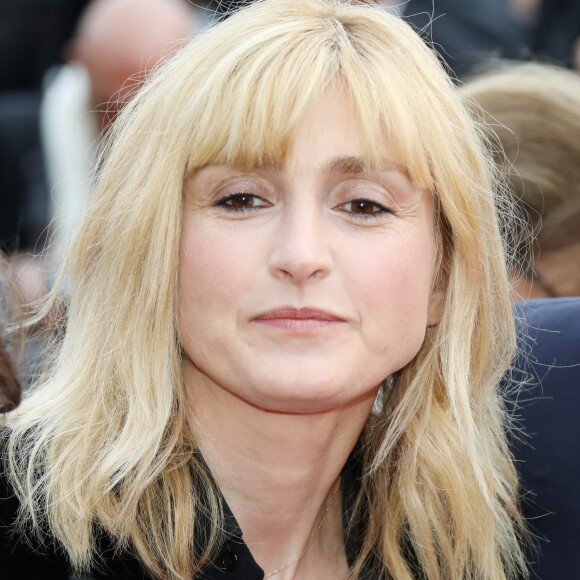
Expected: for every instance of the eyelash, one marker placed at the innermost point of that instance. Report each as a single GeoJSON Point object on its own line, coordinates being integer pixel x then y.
{"type": "Point", "coordinates": [227, 201]}
{"type": "Point", "coordinates": [377, 209]}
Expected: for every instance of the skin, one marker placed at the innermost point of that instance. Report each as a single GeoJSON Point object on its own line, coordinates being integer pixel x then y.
{"type": "Point", "coordinates": [285, 400]}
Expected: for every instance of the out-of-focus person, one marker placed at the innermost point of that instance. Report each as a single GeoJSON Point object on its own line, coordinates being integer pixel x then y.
{"type": "Point", "coordinates": [546, 451]}
{"type": "Point", "coordinates": [32, 34]}
{"type": "Point", "coordinates": [117, 43]}
{"type": "Point", "coordinates": [533, 116]}
{"type": "Point", "coordinates": [10, 389]}
{"type": "Point", "coordinates": [556, 32]}
{"type": "Point", "coordinates": [465, 34]}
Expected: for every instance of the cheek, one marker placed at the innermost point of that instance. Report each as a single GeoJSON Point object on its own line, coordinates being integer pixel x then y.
{"type": "Point", "coordinates": [392, 288]}
{"type": "Point", "coordinates": [398, 271]}
{"type": "Point", "coordinates": [202, 267]}
{"type": "Point", "coordinates": [205, 290]}
{"type": "Point", "coordinates": [214, 269]}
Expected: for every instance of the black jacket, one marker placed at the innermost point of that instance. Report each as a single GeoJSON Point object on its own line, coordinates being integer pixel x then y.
{"type": "Point", "coordinates": [547, 411]}
{"type": "Point", "coordinates": [20, 561]}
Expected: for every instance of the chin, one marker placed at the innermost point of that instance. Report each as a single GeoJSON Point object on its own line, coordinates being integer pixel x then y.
{"type": "Point", "coordinates": [307, 398]}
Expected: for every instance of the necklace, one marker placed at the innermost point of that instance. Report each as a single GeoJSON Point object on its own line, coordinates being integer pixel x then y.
{"type": "Point", "coordinates": [312, 537]}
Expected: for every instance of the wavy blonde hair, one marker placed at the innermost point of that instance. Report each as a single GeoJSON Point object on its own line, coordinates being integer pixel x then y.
{"type": "Point", "coordinates": [104, 439]}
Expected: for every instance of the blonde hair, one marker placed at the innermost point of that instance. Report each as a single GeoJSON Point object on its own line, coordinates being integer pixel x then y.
{"type": "Point", "coordinates": [104, 439]}
{"type": "Point", "coordinates": [531, 112]}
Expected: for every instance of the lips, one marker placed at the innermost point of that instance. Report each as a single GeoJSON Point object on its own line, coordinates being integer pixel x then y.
{"type": "Point", "coordinates": [289, 313]}
{"type": "Point", "coordinates": [300, 321]}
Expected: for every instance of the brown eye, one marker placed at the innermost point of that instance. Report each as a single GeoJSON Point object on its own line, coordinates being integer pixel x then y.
{"type": "Point", "coordinates": [242, 201]}
{"type": "Point", "coordinates": [364, 208]}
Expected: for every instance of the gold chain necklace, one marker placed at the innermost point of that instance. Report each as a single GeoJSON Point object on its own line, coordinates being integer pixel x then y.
{"type": "Point", "coordinates": [312, 537]}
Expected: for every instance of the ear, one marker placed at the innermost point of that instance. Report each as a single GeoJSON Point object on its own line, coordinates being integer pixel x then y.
{"type": "Point", "coordinates": [435, 307]}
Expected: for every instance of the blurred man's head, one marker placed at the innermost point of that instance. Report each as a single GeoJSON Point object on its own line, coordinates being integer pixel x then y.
{"type": "Point", "coordinates": [532, 116]}
{"type": "Point", "coordinates": [120, 41]}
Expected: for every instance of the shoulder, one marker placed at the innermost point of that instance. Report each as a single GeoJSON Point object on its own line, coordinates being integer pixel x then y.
{"type": "Point", "coordinates": [25, 557]}
{"type": "Point", "coordinates": [549, 329]}
{"type": "Point", "coordinates": [545, 399]}
{"type": "Point", "coordinates": [28, 558]}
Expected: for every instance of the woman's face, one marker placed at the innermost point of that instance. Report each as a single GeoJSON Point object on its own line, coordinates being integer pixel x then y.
{"type": "Point", "coordinates": [303, 287]}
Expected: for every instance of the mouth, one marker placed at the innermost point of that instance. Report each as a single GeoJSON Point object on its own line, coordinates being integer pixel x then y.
{"type": "Point", "coordinates": [301, 320]}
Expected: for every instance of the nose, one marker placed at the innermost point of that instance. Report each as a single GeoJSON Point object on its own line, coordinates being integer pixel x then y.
{"type": "Point", "coordinates": [301, 250]}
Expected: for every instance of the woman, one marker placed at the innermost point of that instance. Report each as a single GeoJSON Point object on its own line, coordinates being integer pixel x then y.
{"type": "Point", "coordinates": [289, 313]}
{"type": "Point", "coordinates": [532, 112]}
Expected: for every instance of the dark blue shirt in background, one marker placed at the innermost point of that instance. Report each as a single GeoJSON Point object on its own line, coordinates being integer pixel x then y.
{"type": "Point", "coordinates": [548, 411]}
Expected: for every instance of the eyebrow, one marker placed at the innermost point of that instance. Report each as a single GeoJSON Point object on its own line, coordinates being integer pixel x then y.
{"type": "Point", "coordinates": [347, 164]}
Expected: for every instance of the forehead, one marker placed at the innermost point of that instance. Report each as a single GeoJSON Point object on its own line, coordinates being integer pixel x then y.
{"type": "Point", "coordinates": [328, 129]}
{"type": "Point", "coordinates": [327, 134]}
{"type": "Point", "coordinates": [328, 139]}
{"type": "Point", "coordinates": [244, 105]}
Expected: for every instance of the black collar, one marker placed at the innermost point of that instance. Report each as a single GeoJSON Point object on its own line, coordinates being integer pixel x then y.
{"type": "Point", "coordinates": [235, 561]}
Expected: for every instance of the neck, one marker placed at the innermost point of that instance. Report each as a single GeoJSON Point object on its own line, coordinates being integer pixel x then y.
{"type": "Point", "coordinates": [277, 471]}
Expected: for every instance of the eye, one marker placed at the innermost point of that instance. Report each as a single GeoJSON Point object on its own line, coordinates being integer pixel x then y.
{"type": "Point", "coordinates": [364, 208]}
{"type": "Point", "coordinates": [242, 202]}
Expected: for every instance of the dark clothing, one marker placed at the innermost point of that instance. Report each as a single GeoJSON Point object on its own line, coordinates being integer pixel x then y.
{"type": "Point", "coordinates": [23, 192]}
{"type": "Point", "coordinates": [32, 36]}
{"type": "Point", "coordinates": [556, 30]}
{"type": "Point", "coordinates": [234, 561]}
{"type": "Point", "coordinates": [547, 410]}
{"type": "Point", "coordinates": [547, 460]}
{"type": "Point", "coordinates": [467, 33]}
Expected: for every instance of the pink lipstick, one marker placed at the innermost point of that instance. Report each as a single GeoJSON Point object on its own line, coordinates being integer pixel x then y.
{"type": "Point", "coordinates": [299, 320]}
